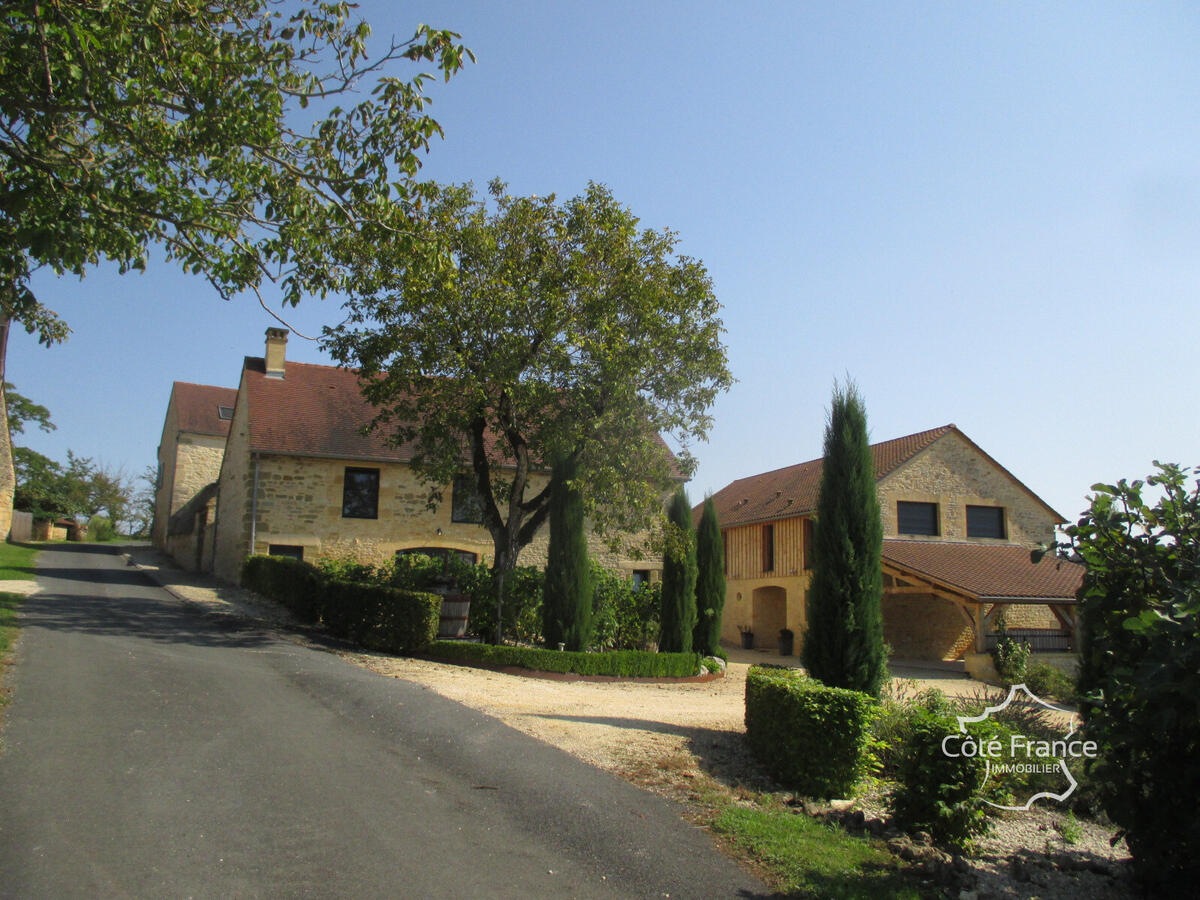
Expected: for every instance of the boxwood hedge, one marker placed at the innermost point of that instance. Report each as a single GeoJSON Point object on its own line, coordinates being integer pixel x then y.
{"type": "Point", "coordinates": [811, 738]}
{"type": "Point", "coordinates": [620, 663]}
{"type": "Point", "coordinates": [376, 616]}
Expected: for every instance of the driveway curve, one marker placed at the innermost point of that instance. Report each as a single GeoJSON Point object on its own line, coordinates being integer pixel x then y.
{"type": "Point", "coordinates": [152, 749]}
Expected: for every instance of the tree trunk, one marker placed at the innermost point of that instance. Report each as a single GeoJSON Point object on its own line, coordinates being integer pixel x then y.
{"type": "Point", "coordinates": [8, 478]}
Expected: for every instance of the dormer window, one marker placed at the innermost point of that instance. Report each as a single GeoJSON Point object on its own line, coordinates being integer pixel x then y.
{"type": "Point", "coordinates": [985, 522]}
{"type": "Point", "coordinates": [917, 518]}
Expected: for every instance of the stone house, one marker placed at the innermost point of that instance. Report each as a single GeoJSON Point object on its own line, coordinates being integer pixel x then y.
{"type": "Point", "coordinates": [958, 529]}
{"type": "Point", "coordinates": [189, 461]}
{"type": "Point", "coordinates": [300, 478]}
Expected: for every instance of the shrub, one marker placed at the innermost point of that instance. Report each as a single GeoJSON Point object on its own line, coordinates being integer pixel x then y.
{"type": "Point", "coordinates": [1140, 668]}
{"type": "Point", "coordinates": [289, 582]}
{"type": "Point", "coordinates": [891, 727]}
{"type": "Point", "coordinates": [1009, 655]}
{"type": "Point", "coordinates": [1047, 681]}
{"type": "Point", "coordinates": [811, 738]}
{"type": "Point", "coordinates": [937, 793]}
{"type": "Point", "coordinates": [522, 602]}
{"type": "Point", "coordinates": [626, 617]}
{"type": "Point", "coordinates": [381, 618]}
{"type": "Point", "coordinates": [620, 663]}
{"type": "Point", "coordinates": [374, 615]}
{"type": "Point", "coordinates": [101, 528]}
{"type": "Point", "coordinates": [347, 568]}
{"type": "Point", "coordinates": [893, 736]}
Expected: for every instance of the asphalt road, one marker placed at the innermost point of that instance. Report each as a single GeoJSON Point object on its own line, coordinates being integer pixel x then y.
{"type": "Point", "coordinates": [155, 750]}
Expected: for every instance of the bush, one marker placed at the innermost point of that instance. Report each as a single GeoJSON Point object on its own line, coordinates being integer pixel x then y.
{"type": "Point", "coordinates": [381, 618]}
{"type": "Point", "coordinates": [374, 615]}
{"type": "Point", "coordinates": [894, 728]}
{"type": "Point", "coordinates": [289, 582]}
{"type": "Point", "coordinates": [1046, 681]}
{"type": "Point", "coordinates": [937, 793]}
{"type": "Point", "coordinates": [811, 738]}
{"type": "Point", "coordinates": [1140, 668]}
{"type": "Point", "coordinates": [101, 528]}
{"type": "Point", "coordinates": [1009, 655]}
{"type": "Point", "coordinates": [522, 603]}
{"type": "Point", "coordinates": [892, 725]}
{"type": "Point", "coordinates": [626, 617]}
{"type": "Point", "coordinates": [619, 663]}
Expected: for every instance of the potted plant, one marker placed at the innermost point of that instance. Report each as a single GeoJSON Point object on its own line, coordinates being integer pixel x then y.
{"type": "Point", "coordinates": [747, 637]}
{"type": "Point", "coordinates": [787, 640]}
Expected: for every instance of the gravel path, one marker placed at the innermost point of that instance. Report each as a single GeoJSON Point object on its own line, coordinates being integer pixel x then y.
{"type": "Point", "coordinates": [664, 735]}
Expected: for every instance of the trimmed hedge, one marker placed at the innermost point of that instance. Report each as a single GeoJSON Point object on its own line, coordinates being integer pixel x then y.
{"type": "Point", "coordinates": [620, 663]}
{"type": "Point", "coordinates": [811, 738]}
{"type": "Point", "coordinates": [289, 582]}
{"type": "Point", "coordinates": [376, 616]}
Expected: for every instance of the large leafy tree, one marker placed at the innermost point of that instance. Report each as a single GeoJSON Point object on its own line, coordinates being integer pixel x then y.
{"type": "Point", "coordinates": [1140, 666]}
{"type": "Point", "coordinates": [131, 123]}
{"type": "Point", "coordinates": [560, 330]}
{"type": "Point", "coordinates": [843, 644]}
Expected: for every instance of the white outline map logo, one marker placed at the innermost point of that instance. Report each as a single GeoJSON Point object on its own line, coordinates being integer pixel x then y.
{"type": "Point", "coordinates": [1042, 751]}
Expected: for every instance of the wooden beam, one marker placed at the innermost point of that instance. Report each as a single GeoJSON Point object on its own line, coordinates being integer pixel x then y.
{"type": "Point", "coordinates": [1064, 614]}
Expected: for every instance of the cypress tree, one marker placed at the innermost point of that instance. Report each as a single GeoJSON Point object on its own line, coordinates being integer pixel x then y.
{"type": "Point", "coordinates": [679, 578]}
{"type": "Point", "coordinates": [567, 595]}
{"type": "Point", "coordinates": [710, 582]}
{"type": "Point", "coordinates": [843, 645]}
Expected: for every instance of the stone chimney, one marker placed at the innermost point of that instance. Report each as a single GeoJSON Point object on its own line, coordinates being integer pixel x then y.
{"type": "Point", "coordinates": [276, 350]}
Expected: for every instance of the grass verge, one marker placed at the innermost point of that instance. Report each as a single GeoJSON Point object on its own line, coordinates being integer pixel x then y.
{"type": "Point", "coordinates": [16, 563]}
{"type": "Point", "coordinates": [797, 855]}
{"type": "Point", "coordinates": [807, 858]}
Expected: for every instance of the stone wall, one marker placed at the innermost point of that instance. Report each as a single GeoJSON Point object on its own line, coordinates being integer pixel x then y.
{"type": "Point", "coordinates": [299, 503]}
{"type": "Point", "coordinates": [925, 626]}
{"type": "Point", "coordinates": [187, 463]}
{"type": "Point", "coordinates": [166, 475]}
{"type": "Point", "coordinates": [233, 498]}
{"type": "Point", "coordinates": [741, 613]}
{"type": "Point", "coordinates": [954, 474]}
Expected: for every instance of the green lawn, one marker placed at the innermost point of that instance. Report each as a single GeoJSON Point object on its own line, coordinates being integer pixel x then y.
{"type": "Point", "coordinates": [16, 563]}
{"type": "Point", "coordinates": [808, 858]}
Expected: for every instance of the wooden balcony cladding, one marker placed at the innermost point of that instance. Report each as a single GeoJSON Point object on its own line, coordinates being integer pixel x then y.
{"type": "Point", "coordinates": [746, 554]}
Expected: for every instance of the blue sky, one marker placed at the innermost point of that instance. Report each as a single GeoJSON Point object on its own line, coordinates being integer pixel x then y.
{"type": "Point", "coordinates": [984, 213]}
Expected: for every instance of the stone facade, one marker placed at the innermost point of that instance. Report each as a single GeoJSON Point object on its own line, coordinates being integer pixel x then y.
{"type": "Point", "coordinates": [280, 500]}
{"type": "Point", "coordinates": [951, 472]}
{"type": "Point", "coordinates": [925, 626]}
{"type": "Point", "coordinates": [187, 463]}
{"type": "Point", "coordinates": [954, 474]}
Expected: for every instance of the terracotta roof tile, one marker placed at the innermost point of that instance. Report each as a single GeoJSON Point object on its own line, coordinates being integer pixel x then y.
{"type": "Point", "coordinates": [312, 411]}
{"type": "Point", "coordinates": [197, 406]}
{"type": "Point", "coordinates": [318, 411]}
{"type": "Point", "coordinates": [986, 571]}
{"type": "Point", "coordinates": [792, 491]}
